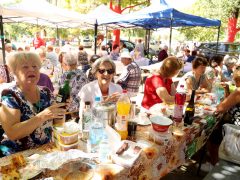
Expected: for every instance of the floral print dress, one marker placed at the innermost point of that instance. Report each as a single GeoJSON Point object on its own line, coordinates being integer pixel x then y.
{"type": "Point", "coordinates": [235, 113]}
{"type": "Point", "coordinates": [77, 81]}
{"type": "Point", "coordinates": [13, 98]}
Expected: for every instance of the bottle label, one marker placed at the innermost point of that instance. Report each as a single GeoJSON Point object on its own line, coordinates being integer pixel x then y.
{"type": "Point", "coordinates": [121, 123]}
{"type": "Point", "coordinates": [59, 98]}
{"type": "Point", "coordinates": [86, 120]}
{"type": "Point", "coordinates": [189, 109]}
{"type": "Point", "coordinates": [178, 112]}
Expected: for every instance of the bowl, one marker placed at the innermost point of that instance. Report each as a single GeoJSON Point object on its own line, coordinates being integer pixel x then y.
{"type": "Point", "coordinates": [160, 123]}
{"type": "Point", "coordinates": [67, 139]}
{"type": "Point", "coordinates": [63, 147]}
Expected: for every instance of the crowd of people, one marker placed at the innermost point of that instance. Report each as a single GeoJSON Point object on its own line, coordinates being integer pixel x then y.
{"type": "Point", "coordinates": [30, 80]}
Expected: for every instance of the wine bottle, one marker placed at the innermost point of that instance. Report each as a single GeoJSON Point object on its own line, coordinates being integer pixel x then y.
{"type": "Point", "coordinates": [190, 110]}
{"type": "Point", "coordinates": [61, 97]}
{"type": "Point", "coordinates": [64, 91]}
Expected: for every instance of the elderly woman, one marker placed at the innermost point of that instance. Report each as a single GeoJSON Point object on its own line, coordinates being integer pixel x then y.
{"type": "Point", "coordinates": [104, 70]}
{"type": "Point", "coordinates": [47, 67]}
{"type": "Point", "coordinates": [230, 63]}
{"type": "Point", "coordinates": [215, 70]}
{"type": "Point", "coordinates": [231, 102]}
{"type": "Point", "coordinates": [27, 109]}
{"type": "Point", "coordinates": [77, 81]}
{"type": "Point", "coordinates": [159, 87]}
{"type": "Point", "coordinates": [89, 73]}
{"type": "Point", "coordinates": [196, 79]}
{"type": "Point", "coordinates": [83, 59]}
{"type": "Point", "coordinates": [114, 55]}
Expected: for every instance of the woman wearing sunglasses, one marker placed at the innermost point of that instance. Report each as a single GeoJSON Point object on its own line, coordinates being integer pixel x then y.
{"type": "Point", "coordinates": [103, 69]}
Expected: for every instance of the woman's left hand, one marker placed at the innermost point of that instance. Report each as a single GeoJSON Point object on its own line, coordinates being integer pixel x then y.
{"type": "Point", "coordinates": [112, 98]}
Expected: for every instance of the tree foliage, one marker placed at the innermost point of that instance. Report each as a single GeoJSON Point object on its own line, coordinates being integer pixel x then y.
{"type": "Point", "coordinates": [213, 9]}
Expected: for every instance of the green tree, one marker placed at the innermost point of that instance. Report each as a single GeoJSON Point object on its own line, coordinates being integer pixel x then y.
{"type": "Point", "coordinates": [225, 10]}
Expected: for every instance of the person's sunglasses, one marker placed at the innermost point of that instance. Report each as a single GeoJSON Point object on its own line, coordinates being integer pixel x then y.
{"type": "Point", "coordinates": [109, 71]}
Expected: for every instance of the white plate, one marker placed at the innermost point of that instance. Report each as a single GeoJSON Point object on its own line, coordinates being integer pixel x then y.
{"type": "Point", "coordinates": [143, 120]}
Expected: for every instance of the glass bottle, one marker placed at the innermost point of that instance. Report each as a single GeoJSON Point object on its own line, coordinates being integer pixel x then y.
{"type": "Point", "coordinates": [190, 110]}
{"type": "Point", "coordinates": [86, 120]}
{"type": "Point", "coordinates": [64, 91]}
{"type": "Point", "coordinates": [61, 97]}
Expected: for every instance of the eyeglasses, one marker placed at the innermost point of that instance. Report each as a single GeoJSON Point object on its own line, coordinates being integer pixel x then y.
{"type": "Point", "coordinates": [109, 71]}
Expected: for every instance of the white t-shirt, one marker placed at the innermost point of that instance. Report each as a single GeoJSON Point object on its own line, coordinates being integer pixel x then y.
{"type": "Point", "coordinates": [92, 89]}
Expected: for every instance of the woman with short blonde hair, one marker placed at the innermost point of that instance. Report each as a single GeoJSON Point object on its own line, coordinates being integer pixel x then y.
{"type": "Point", "coordinates": [160, 87]}
{"type": "Point", "coordinates": [27, 109]}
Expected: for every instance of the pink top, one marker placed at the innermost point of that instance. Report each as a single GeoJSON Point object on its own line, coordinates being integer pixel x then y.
{"type": "Point", "coordinates": [152, 83]}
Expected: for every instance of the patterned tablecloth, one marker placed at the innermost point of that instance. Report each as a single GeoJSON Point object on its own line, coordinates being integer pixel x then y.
{"type": "Point", "coordinates": [161, 153]}
{"type": "Point", "coordinates": [166, 154]}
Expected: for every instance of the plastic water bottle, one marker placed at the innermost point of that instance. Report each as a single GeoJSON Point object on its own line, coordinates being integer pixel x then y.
{"type": "Point", "coordinates": [218, 90]}
{"type": "Point", "coordinates": [180, 98]}
{"type": "Point", "coordinates": [97, 128]}
{"type": "Point", "coordinates": [104, 149]}
{"type": "Point", "coordinates": [95, 106]}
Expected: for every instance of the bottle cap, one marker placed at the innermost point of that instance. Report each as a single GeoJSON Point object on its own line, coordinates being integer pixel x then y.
{"type": "Point", "coordinates": [133, 102]}
{"type": "Point", "coordinates": [124, 91]}
{"type": "Point", "coordinates": [87, 103]}
{"type": "Point", "coordinates": [97, 98]}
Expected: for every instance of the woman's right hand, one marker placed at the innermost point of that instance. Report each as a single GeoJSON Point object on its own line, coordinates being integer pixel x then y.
{"type": "Point", "coordinates": [52, 112]}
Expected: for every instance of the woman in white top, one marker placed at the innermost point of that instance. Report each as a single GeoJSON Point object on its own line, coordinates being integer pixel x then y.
{"type": "Point", "coordinates": [196, 79]}
{"type": "Point", "coordinates": [103, 69]}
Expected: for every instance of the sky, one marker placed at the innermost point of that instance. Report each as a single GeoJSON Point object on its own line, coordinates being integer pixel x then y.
{"type": "Point", "coordinates": [180, 4]}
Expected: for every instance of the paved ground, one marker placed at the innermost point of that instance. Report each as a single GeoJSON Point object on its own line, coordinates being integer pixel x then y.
{"type": "Point", "coordinates": [186, 172]}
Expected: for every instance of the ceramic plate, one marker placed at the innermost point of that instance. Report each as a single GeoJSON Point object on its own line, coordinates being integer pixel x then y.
{"type": "Point", "coordinates": [143, 121]}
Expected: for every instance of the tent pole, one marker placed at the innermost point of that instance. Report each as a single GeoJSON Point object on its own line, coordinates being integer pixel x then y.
{"type": "Point", "coordinates": [106, 35]}
{"type": "Point", "coordinates": [2, 39]}
{"type": "Point", "coordinates": [148, 42]}
{"type": "Point", "coordinates": [95, 37]}
{"type": "Point", "coordinates": [218, 38]}
{"type": "Point", "coordinates": [170, 38]}
{"type": "Point", "coordinates": [58, 42]}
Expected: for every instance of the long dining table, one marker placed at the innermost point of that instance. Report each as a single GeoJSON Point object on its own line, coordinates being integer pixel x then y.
{"type": "Point", "coordinates": [160, 153]}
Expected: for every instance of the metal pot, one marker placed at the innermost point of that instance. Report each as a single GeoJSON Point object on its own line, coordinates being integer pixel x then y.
{"type": "Point", "coordinates": [107, 113]}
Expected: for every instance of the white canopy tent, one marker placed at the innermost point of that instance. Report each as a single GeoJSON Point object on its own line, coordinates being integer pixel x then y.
{"type": "Point", "coordinates": [97, 16]}
{"type": "Point", "coordinates": [38, 12]}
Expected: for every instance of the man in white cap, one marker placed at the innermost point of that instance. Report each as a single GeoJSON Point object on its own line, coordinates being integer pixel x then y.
{"type": "Point", "coordinates": [130, 78]}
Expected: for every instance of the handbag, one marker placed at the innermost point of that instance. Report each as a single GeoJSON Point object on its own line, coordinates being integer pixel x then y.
{"type": "Point", "coordinates": [231, 142]}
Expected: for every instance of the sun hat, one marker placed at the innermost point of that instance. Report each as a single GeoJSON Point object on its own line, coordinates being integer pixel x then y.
{"type": "Point", "coordinates": [126, 54]}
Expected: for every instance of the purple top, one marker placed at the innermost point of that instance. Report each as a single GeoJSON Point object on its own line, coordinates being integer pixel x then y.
{"type": "Point", "coordinates": [45, 81]}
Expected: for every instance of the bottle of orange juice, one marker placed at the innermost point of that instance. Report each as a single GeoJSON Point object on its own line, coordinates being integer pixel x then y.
{"type": "Point", "coordinates": [123, 111]}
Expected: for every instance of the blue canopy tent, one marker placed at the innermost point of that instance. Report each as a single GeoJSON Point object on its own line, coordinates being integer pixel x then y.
{"type": "Point", "coordinates": [160, 15]}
